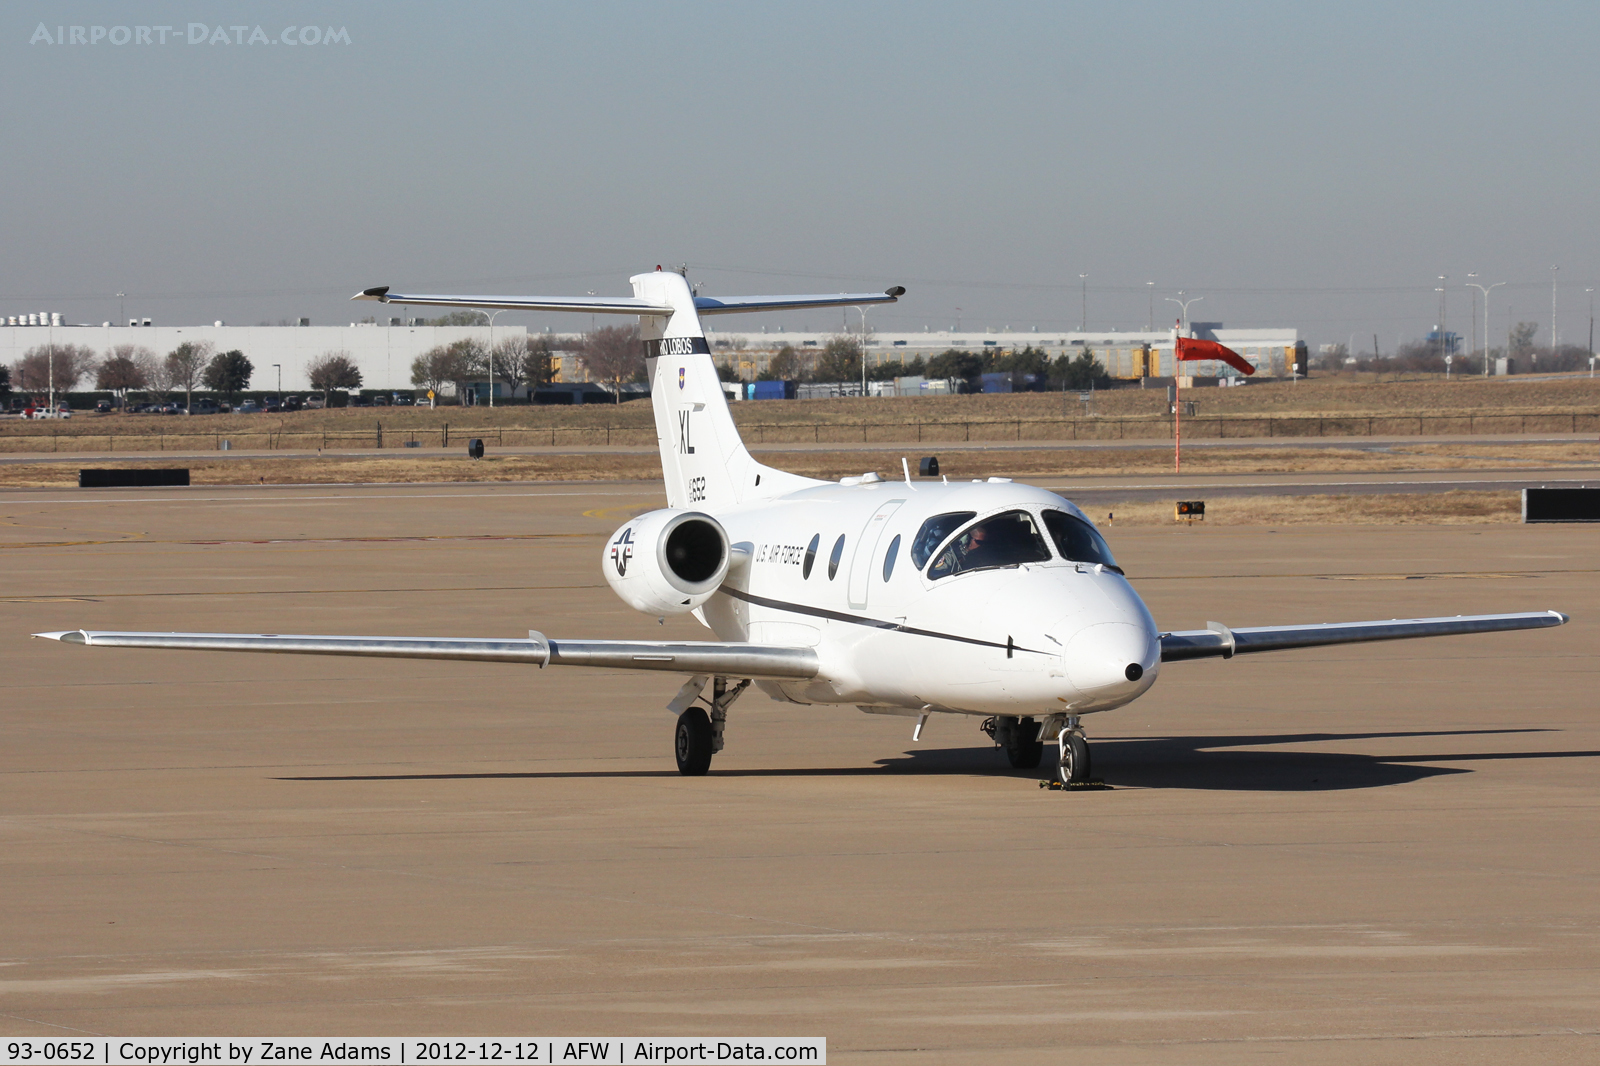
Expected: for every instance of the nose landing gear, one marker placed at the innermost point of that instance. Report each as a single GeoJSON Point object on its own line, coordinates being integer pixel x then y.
{"type": "Point", "coordinates": [1073, 766]}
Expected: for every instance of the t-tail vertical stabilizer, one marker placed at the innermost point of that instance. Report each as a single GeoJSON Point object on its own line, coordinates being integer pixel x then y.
{"type": "Point", "coordinates": [703, 459]}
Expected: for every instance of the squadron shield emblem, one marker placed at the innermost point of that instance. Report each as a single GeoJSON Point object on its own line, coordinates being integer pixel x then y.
{"type": "Point", "coordinates": [682, 373]}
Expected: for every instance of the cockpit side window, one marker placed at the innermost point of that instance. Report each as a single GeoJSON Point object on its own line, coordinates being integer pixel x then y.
{"type": "Point", "coordinates": [1008, 539]}
{"type": "Point", "coordinates": [933, 532]}
{"type": "Point", "coordinates": [1077, 540]}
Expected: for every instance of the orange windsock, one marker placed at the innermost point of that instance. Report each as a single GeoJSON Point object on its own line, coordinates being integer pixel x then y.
{"type": "Point", "coordinates": [1190, 348]}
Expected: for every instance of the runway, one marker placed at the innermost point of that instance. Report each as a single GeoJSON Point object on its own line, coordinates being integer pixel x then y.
{"type": "Point", "coordinates": [1386, 854]}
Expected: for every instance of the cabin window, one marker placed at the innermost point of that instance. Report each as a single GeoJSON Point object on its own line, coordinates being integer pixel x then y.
{"type": "Point", "coordinates": [888, 559]}
{"type": "Point", "coordinates": [811, 555]}
{"type": "Point", "coordinates": [835, 556]}
{"type": "Point", "coordinates": [1077, 540]}
{"type": "Point", "coordinates": [933, 533]}
{"type": "Point", "coordinates": [1008, 539]}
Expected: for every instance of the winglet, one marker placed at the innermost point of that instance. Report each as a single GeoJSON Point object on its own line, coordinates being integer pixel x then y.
{"type": "Point", "coordinates": [71, 636]}
{"type": "Point", "coordinates": [380, 293]}
{"type": "Point", "coordinates": [896, 291]}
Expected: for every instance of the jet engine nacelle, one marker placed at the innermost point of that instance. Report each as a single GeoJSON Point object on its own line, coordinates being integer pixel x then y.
{"type": "Point", "coordinates": [668, 561]}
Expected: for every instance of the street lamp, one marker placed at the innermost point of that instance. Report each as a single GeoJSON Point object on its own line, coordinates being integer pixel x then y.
{"type": "Point", "coordinates": [1150, 314]}
{"type": "Point", "coordinates": [1083, 323]}
{"type": "Point", "coordinates": [1185, 305]}
{"type": "Point", "coordinates": [1553, 337]}
{"type": "Point", "coordinates": [862, 308]}
{"type": "Point", "coordinates": [279, 368]}
{"type": "Point", "coordinates": [1444, 341]}
{"type": "Point", "coordinates": [1485, 292]}
{"type": "Point", "coordinates": [490, 317]}
{"type": "Point", "coordinates": [122, 307]}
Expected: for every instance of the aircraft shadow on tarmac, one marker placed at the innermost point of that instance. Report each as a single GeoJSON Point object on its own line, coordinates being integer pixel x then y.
{"type": "Point", "coordinates": [1146, 762]}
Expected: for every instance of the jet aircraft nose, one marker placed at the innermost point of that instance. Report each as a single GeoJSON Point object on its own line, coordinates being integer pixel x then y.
{"type": "Point", "coordinates": [1112, 661]}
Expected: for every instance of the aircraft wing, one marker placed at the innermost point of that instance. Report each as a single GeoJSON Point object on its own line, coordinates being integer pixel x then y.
{"type": "Point", "coordinates": [1217, 640]}
{"type": "Point", "coordinates": [764, 661]}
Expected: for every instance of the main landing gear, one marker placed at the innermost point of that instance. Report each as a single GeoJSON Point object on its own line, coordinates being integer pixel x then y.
{"type": "Point", "coordinates": [698, 735]}
{"type": "Point", "coordinates": [1023, 741]}
{"type": "Point", "coordinates": [1019, 737]}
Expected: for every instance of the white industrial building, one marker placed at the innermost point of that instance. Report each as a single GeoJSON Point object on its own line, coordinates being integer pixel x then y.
{"type": "Point", "coordinates": [384, 353]}
{"type": "Point", "coordinates": [1271, 351]}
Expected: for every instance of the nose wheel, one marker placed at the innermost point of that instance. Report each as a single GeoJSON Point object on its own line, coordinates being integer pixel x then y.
{"type": "Point", "coordinates": [1073, 766]}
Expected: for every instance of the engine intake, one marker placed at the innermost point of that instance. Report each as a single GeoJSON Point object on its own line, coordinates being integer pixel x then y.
{"type": "Point", "coordinates": [668, 561]}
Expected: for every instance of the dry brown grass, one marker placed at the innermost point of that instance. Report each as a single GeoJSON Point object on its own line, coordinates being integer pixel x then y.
{"type": "Point", "coordinates": [942, 417]}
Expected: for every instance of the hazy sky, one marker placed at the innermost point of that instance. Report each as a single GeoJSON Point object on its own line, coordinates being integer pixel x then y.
{"type": "Point", "coordinates": [1315, 166]}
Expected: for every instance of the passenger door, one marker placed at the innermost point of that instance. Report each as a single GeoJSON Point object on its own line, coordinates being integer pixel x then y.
{"type": "Point", "coordinates": [866, 551]}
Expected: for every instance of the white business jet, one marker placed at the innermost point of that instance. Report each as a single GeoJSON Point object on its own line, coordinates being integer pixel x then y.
{"type": "Point", "coordinates": [903, 597]}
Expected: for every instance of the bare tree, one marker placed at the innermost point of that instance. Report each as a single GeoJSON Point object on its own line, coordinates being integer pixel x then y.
{"type": "Point", "coordinates": [186, 364]}
{"type": "Point", "coordinates": [60, 365]}
{"type": "Point", "coordinates": [452, 364]}
{"type": "Point", "coordinates": [333, 370]}
{"type": "Point", "coordinates": [783, 366]}
{"type": "Point", "coordinates": [614, 354]}
{"type": "Point", "coordinates": [509, 361]}
{"type": "Point", "coordinates": [841, 360]}
{"type": "Point", "coordinates": [123, 370]}
{"type": "Point", "coordinates": [157, 374]}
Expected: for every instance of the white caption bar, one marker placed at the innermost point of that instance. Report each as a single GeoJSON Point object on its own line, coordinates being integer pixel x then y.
{"type": "Point", "coordinates": [542, 1050]}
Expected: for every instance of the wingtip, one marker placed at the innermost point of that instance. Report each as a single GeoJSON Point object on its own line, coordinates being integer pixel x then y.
{"type": "Point", "coordinates": [379, 293]}
{"type": "Point", "coordinates": [895, 291]}
{"type": "Point", "coordinates": [1565, 618]}
{"type": "Point", "coordinates": [69, 636]}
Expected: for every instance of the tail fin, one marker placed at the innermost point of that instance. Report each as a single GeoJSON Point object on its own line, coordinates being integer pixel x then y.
{"type": "Point", "coordinates": [703, 459]}
{"type": "Point", "coordinates": [705, 463]}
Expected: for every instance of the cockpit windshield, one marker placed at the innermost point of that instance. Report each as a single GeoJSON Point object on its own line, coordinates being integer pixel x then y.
{"type": "Point", "coordinates": [1007, 539]}
{"type": "Point", "coordinates": [933, 532]}
{"type": "Point", "coordinates": [1077, 540]}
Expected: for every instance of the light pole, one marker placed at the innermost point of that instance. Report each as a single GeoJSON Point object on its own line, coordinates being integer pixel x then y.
{"type": "Point", "coordinates": [1553, 337]}
{"type": "Point", "coordinates": [490, 317]}
{"type": "Point", "coordinates": [1083, 322]}
{"type": "Point", "coordinates": [1444, 338]}
{"type": "Point", "coordinates": [1185, 305]}
{"type": "Point", "coordinates": [279, 368]}
{"type": "Point", "coordinates": [1591, 331]}
{"type": "Point", "coordinates": [1150, 314]}
{"type": "Point", "coordinates": [863, 311]}
{"type": "Point", "coordinates": [1485, 292]}
{"type": "Point", "coordinates": [122, 307]}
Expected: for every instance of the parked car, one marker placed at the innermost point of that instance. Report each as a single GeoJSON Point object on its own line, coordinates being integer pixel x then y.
{"type": "Point", "coordinates": [271, 405]}
{"type": "Point", "coordinates": [293, 403]}
{"type": "Point", "coordinates": [247, 407]}
{"type": "Point", "coordinates": [103, 407]}
{"type": "Point", "coordinates": [173, 408]}
{"type": "Point", "coordinates": [314, 403]}
{"type": "Point", "coordinates": [404, 399]}
{"type": "Point", "coordinates": [203, 407]}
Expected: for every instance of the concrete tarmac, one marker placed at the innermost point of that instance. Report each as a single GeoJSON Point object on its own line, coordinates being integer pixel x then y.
{"type": "Point", "coordinates": [1377, 854]}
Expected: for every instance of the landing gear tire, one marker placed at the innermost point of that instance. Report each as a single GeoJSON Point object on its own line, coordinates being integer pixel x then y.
{"type": "Point", "coordinates": [1074, 767]}
{"type": "Point", "coordinates": [1023, 747]}
{"type": "Point", "coordinates": [692, 742]}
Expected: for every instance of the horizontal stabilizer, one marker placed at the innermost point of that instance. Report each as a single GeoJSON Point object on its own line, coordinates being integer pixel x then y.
{"type": "Point", "coordinates": [684, 657]}
{"type": "Point", "coordinates": [632, 305]}
{"type": "Point", "coordinates": [1219, 641]}
{"type": "Point", "coordinates": [603, 305]}
{"type": "Point", "coordinates": [738, 305]}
